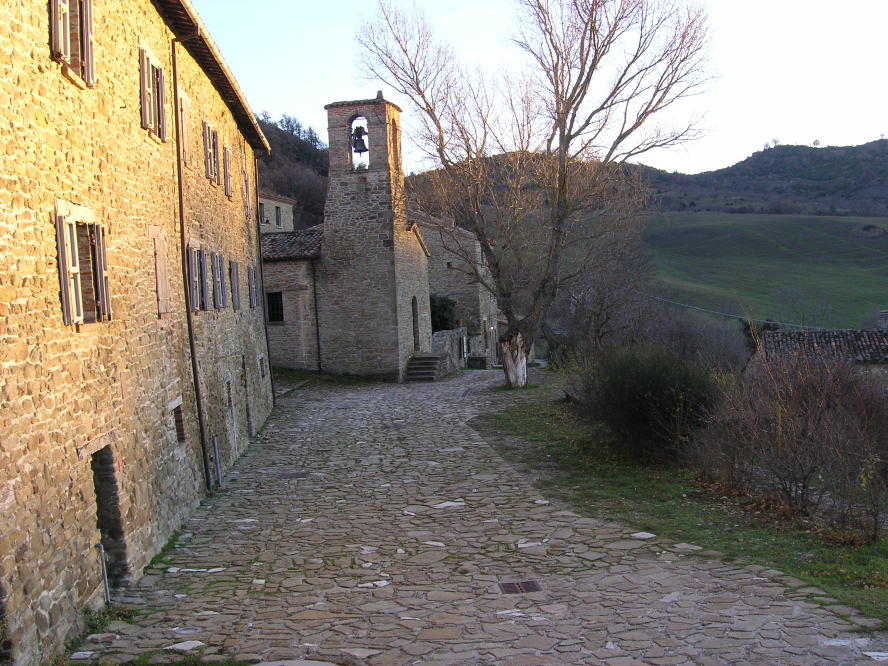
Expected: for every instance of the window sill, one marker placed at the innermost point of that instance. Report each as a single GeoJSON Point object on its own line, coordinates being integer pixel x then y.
{"type": "Point", "coordinates": [153, 135]}
{"type": "Point", "coordinates": [73, 77]}
{"type": "Point", "coordinates": [277, 323]}
{"type": "Point", "coordinates": [87, 328]}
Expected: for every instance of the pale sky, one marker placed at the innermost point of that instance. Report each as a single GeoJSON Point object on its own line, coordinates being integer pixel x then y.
{"type": "Point", "coordinates": [792, 70]}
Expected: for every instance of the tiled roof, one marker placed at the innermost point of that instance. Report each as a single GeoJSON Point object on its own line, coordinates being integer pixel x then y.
{"type": "Point", "coordinates": [302, 244]}
{"type": "Point", "coordinates": [858, 346]}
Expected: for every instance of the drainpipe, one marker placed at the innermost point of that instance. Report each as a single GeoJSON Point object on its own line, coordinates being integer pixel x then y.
{"type": "Point", "coordinates": [262, 280]}
{"type": "Point", "coordinates": [314, 287]}
{"type": "Point", "coordinates": [195, 373]}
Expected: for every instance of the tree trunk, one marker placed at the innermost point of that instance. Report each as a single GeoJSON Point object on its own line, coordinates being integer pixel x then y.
{"type": "Point", "coordinates": [513, 350]}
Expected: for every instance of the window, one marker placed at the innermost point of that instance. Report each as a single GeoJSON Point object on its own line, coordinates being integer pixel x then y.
{"type": "Point", "coordinates": [194, 291]}
{"type": "Point", "coordinates": [204, 285]}
{"type": "Point", "coordinates": [277, 216]}
{"type": "Point", "coordinates": [83, 265]}
{"type": "Point", "coordinates": [220, 294]}
{"type": "Point", "coordinates": [275, 300]}
{"type": "Point", "coordinates": [160, 269]}
{"type": "Point", "coordinates": [251, 283]}
{"type": "Point", "coordinates": [185, 127]}
{"type": "Point", "coordinates": [359, 144]}
{"type": "Point", "coordinates": [248, 201]}
{"type": "Point", "coordinates": [179, 418]}
{"type": "Point", "coordinates": [235, 285]}
{"type": "Point", "coordinates": [262, 365]}
{"type": "Point", "coordinates": [211, 153]}
{"type": "Point", "coordinates": [262, 219]}
{"type": "Point", "coordinates": [226, 164]}
{"type": "Point", "coordinates": [72, 40]}
{"type": "Point", "coordinates": [153, 95]}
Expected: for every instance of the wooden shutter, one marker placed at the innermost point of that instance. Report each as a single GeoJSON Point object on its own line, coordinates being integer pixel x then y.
{"type": "Point", "coordinates": [193, 278]}
{"type": "Point", "coordinates": [100, 272]}
{"type": "Point", "coordinates": [222, 285]}
{"type": "Point", "coordinates": [160, 93]}
{"type": "Point", "coordinates": [235, 285]}
{"type": "Point", "coordinates": [60, 30]}
{"type": "Point", "coordinates": [250, 284]}
{"type": "Point", "coordinates": [88, 66]}
{"type": "Point", "coordinates": [248, 201]}
{"type": "Point", "coordinates": [147, 86]}
{"type": "Point", "coordinates": [214, 271]}
{"type": "Point", "coordinates": [216, 177]}
{"type": "Point", "coordinates": [226, 163]}
{"type": "Point", "coordinates": [204, 286]}
{"type": "Point", "coordinates": [207, 148]}
{"type": "Point", "coordinates": [69, 271]}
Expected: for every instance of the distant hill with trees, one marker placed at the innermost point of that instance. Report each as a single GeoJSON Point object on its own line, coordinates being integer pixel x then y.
{"type": "Point", "coordinates": [847, 180]}
{"type": "Point", "coordinates": [296, 168]}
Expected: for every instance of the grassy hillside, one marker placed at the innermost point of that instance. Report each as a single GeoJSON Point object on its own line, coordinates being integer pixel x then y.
{"type": "Point", "coordinates": [718, 260]}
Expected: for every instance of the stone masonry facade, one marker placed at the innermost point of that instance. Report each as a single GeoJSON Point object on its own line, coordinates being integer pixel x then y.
{"type": "Point", "coordinates": [275, 213]}
{"type": "Point", "coordinates": [453, 253]}
{"type": "Point", "coordinates": [100, 442]}
{"type": "Point", "coordinates": [372, 278]}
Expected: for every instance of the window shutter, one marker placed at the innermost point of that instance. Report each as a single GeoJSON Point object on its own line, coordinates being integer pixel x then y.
{"type": "Point", "coordinates": [160, 92]}
{"type": "Point", "coordinates": [227, 168]}
{"type": "Point", "coordinates": [248, 202]}
{"type": "Point", "coordinates": [214, 270]}
{"type": "Point", "coordinates": [235, 285]}
{"type": "Point", "coordinates": [204, 286]}
{"type": "Point", "coordinates": [216, 178]}
{"type": "Point", "coordinates": [60, 20]}
{"type": "Point", "coordinates": [222, 286]}
{"type": "Point", "coordinates": [65, 291]}
{"type": "Point", "coordinates": [160, 270]}
{"type": "Point", "coordinates": [250, 285]}
{"type": "Point", "coordinates": [206, 142]}
{"type": "Point", "coordinates": [193, 278]}
{"type": "Point", "coordinates": [146, 88]}
{"type": "Point", "coordinates": [100, 272]}
{"type": "Point", "coordinates": [88, 67]}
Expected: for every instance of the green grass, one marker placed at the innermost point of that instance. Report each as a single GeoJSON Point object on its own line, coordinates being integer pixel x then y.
{"type": "Point", "coordinates": [716, 260]}
{"type": "Point", "coordinates": [582, 468]}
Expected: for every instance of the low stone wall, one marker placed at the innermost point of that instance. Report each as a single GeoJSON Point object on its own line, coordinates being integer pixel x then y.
{"type": "Point", "coordinates": [453, 344]}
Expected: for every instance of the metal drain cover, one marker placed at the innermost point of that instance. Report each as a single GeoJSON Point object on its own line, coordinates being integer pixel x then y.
{"type": "Point", "coordinates": [522, 587]}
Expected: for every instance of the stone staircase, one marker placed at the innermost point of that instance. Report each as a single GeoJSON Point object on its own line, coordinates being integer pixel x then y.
{"type": "Point", "coordinates": [426, 367]}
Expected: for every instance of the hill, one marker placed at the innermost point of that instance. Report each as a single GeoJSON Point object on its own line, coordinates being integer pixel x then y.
{"type": "Point", "coordinates": [849, 180]}
{"type": "Point", "coordinates": [296, 168]}
{"type": "Point", "coordinates": [760, 262]}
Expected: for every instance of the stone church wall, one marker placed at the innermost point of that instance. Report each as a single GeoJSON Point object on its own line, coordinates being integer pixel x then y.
{"type": "Point", "coordinates": [93, 407]}
{"type": "Point", "coordinates": [293, 342]}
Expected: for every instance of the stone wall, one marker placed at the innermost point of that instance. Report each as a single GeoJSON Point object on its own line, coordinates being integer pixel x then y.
{"type": "Point", "coordinates": [96, 403]}
{"type": "Point", "coordinates": [269, 206]}
{"type": "Point", "coordinates": [453, 344]}
{"type": "Point", "coordinates": [293, 342]}
{"type": "Point", "coordinates": [453, 252]}
{"type": "Point", "coordinates": [372, 266]}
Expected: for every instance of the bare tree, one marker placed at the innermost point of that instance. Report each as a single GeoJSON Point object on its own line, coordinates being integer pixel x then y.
{"type": "Point", "coordinates": [534, 163]}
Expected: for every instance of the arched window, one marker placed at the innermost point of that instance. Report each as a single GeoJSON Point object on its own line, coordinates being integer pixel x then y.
{"type": "Point", "coordinates": [359, 143]}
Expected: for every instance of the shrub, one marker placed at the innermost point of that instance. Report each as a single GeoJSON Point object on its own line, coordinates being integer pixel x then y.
{"type": "Point", "coordinates": [812, 430]}
{"type": "Point", "coordinates": [443, 311]}
{"type": "Point", "coordinates": [650, 399]}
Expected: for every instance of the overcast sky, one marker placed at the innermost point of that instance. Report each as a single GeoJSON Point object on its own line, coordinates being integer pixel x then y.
{"type": "Point", "coordinates": [792, 70]}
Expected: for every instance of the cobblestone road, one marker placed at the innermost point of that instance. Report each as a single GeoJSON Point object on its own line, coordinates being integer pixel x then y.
{"type": "Point", "coordinates": [372, 525]}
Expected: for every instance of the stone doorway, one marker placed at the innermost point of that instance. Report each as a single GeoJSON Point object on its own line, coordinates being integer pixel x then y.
{"type": "Point", "coordinates": [108, 516]}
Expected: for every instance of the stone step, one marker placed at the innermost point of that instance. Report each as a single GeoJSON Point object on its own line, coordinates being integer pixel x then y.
{"type": "Point", "coordinates": [423, 368]}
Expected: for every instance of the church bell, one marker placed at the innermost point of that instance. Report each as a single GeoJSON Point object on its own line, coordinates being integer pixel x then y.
{"type": "Point", "coordinates": [358, 143]}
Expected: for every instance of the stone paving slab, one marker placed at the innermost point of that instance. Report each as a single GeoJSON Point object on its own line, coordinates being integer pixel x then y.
{"type": "Point", "coordinates": [371, 525]}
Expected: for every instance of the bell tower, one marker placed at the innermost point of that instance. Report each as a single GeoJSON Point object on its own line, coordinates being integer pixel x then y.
{"type": "Point", "coordinates": [374, 265]}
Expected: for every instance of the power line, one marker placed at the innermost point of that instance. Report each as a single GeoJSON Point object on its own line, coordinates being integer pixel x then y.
{"type": "Point", "coordinates": [726, 314]}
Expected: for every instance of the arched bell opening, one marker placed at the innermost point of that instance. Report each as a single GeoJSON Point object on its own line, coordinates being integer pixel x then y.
{"type": "Point", "coordinates": [359, 144]}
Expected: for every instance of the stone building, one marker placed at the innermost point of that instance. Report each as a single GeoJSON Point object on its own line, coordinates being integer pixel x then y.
{"type": "Point", "coordinates": [360, 279]}
{"type": "Point", "coordinates": [454, 252]}
{"type": "Point", "coordinates": [132, 337]}
{"type": "Point", "coordinates": [275, 213]}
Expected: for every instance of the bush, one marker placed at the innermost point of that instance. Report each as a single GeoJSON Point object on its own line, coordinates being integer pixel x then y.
{"type": "Point", "coordinates": [650, 399]}
{"type": "Point", "coordinates": [443, 311]}
{"type": "Point", "coordinates": [811, 430]}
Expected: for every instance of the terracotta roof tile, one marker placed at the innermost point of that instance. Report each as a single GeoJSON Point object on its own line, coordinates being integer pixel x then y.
{"type": "Point", "coordinates": [869, 347]}
{"type": "Point", "coordinates": [302, 244]}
